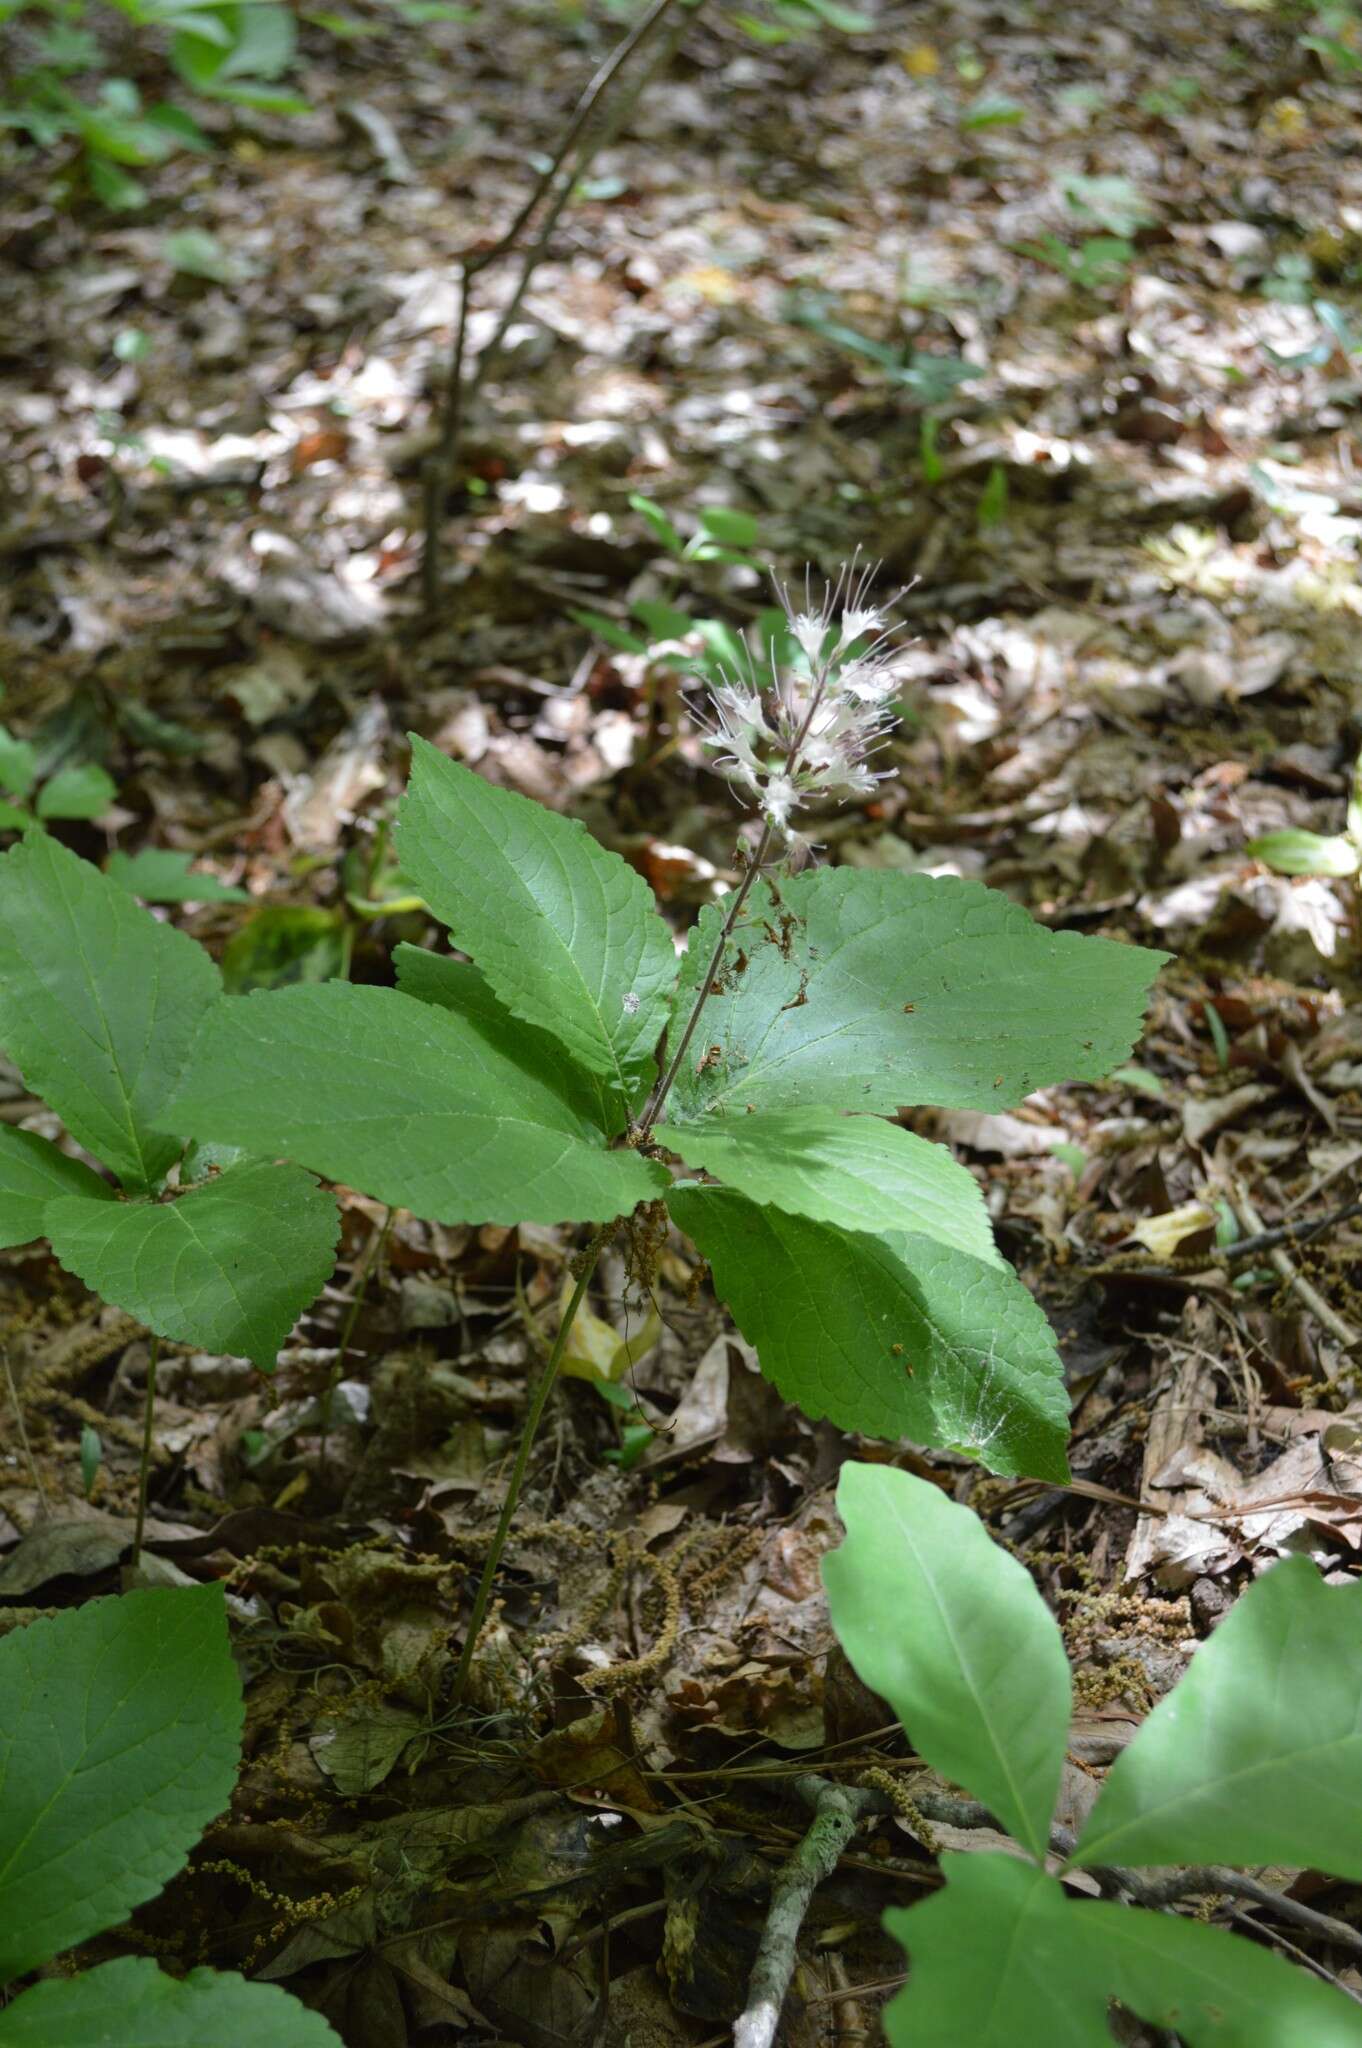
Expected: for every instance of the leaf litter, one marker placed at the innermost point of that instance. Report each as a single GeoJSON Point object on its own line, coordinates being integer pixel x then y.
{"type": "Point", "coordinates": [1059, 322]}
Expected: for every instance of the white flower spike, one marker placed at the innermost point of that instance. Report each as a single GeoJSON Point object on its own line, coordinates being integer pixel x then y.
{"type": "Point", "coordinates": [805, 731]}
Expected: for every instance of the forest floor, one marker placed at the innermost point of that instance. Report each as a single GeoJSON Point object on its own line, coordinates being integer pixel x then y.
{"type": "Point", "coordinates": [1129, 541]}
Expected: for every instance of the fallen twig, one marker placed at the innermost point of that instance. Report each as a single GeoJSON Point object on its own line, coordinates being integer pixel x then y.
{"type": "Point", "coordinates": [836, 1810]}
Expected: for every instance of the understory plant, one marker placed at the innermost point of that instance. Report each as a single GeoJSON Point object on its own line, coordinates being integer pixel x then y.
{"type": "Point", "coordinates": [120, 1735]}
{"type": "Point", "coordinates": [1293, 851]}
{"type": "Point", "coordinates": [566, 1073]}
{"type": "Point", "coordinates": [100, 1004]}
{"type": "Point", "coordinates": [1254, 1758]}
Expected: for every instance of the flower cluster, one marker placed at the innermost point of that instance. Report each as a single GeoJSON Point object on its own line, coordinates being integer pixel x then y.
{"type": "Point", "coordinates": [804, 730]}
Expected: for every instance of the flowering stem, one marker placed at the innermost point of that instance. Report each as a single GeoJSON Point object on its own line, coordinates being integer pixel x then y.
{"type": "Point", "coordinates": [653, 1107]}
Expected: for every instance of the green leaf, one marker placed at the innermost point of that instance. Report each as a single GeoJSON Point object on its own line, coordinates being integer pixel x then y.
{"type": "Point", "coordinates": [99, 1003]}
{"type": "Point", "coordinates": [158, 875]}
{"type": "Point", "coordinates": [228, 1267]}
{"type": "Point", "coordinates": [1000, 1957]}
{"type": "Point", "coordinates": [664, 621]}
{"type": "Point", "coordinates": [734, 529]}
{"type": "Point", "coordinates": [614, 635]}
{"type": "Point", "coordinates": [458, 986]}
{"type": "Point", "coordinates": [132, 2002]}
{"type": "Point", "coordinates": [1295, 852]}
{"type": "Point", "coordinates": [864, 990]}
{"type": "Point", "coordinates": [662, 527]}
{"type": "Point", "coordinates": [259, 44]}
{"type": "Point", "coordinates": [18, 764]}
{"type": "Point", "coordinates": [950, 1629]}
{"type": "Point", "coordinates": [992, 110]}
{"type": "Point", "coordinates": [995, 1963]}
{"type": "Point", "coordinates": [83, 792]}
{"type": "Point", "coordinates": [286, 943]}
{"type": "Point", "coordinates": [855, 1171]}
{"type": "Point", "coordinates": [1256, 1757]}
{"type": "Point", "coordinates": [565, 932]}
{"type": "Point", "coordinates": [1113, 202]}
{"type": "Point", "coordinates": [408, 1102]}
{"type": "Point", "coordinates": [32, 1173]}
{"type": "Point", "coordinates": [194, 252]}
{"type": "Point", "coordinates": [120, 1726]}
{"type": "Point", "coordinates": [894, 1335]}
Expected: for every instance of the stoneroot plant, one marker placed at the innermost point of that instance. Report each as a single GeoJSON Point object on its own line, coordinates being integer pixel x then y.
{"type": "Point", "coordinates": [120, 1735]}
{"type": "Point", "coordinates": [524, 1084]}
{"type": "Point", "coordinates": [1254, 1758]}
{"type": "Point", "coordinates": [528, 1083]}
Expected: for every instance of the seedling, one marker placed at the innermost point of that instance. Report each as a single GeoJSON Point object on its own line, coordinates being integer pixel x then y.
{"type": "Point", "coordinates": [120, 1735]}
{"type": "Point", "coordinates": [1292, 851]}
{"type": "Point", "coordinates": [81, 791]}
{"type": "Point", "coordinates": [1254, 1758]}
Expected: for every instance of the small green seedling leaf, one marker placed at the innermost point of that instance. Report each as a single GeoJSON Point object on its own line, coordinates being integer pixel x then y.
{"type": "Point", "coordinates": [409, 1102]}
{"type": "Point", "coordinates": [855, 1171]}
{"type": "Point", "coordinates": [32, 1173]}
{"type": "Point", "coordinates": [732, 529]}
{"type": "Point", "coordinates": [194, 252]}
{"type": "Point", "coordinates": [18, 764]}
{"type": "Point", "coordinates": [158, 875]}
{"type": "Point", "coordinates": [1295, 852]}
{"type": "Point", "coordinates": [867, 991]}
{"type": "Point", "coordinates": [99, 1003]}
{"type": "Point", "coordinates": [1256, 1756]}
{"type": "Point", "coordinates": [613, 634]}
{"type": "Point", "coordinates": [229, 1267]}
{"type": "Point", "coordinates": [120, 1726]}
{"type": "Point", "coordinates": [1001, 1957]}
{"type": "Point", "coordinates": [205, 2009]}
{"type": "Point", "coordinates": [83, 792]}
{"type": "Point", "coordinates": [663, 530]}
{"type": "Point", "coordinates": [992, 110]}
{"type": "Point", "coordinates": [894, 1335]}
{"type": "Point", "coordinates": [565, 931]}
{"type": "Point", "coordinates": [950, 1629]}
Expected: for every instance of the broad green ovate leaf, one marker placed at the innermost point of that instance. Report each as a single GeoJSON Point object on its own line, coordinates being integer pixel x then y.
{"type": "Point", "coordinates": [82, 792]}
{"type": "Point", "coordinates": [893, 1335]}
{"type": "Point", "coordinates": [1002, 1959]}
{"type": "Point", "coordinates": [856, 1171]}
{"type": "Point", "coordinates": [32, 1173]}
{"type": "Point", "coordinates": [409, 1102]}
{"type": "Point", "coordinates": [133, 2004]}
{"type": "Point", "coordinates": [1256, 1757]}
{"type": "Point", "coordinates": [120, 1725]}
{"type": "Point", "coordinates": [99, 1004]}
{"type": "Point", "coordinates": [950, 1629]}
{"type": "Point", "coordinates": [994, 1963]}
{"type": "Point", "coordinates": [457, 985]}
{"type": "Point", "coordinates": [1213, 1989]}
{"type": "Point", "coordinates": [860, 990]}
{"type": "Point", "coordinates": [229, 1266]}
{"type": "Point", "coordinates": [565, 931]}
